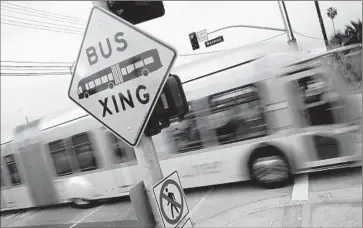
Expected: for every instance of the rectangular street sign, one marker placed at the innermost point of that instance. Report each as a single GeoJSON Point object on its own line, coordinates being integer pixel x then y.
{"type": "Point", "coordinates": [202, 35]}
{"type": "Point", "coordinates": [214, 41]}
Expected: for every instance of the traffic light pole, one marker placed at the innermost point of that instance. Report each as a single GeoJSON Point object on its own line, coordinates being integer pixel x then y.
{"type": "Point", "coordinates": [149, 164]}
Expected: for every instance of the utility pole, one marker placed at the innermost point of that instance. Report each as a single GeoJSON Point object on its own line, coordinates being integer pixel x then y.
{"type": "Point", "coordinates": [291, 42]}
{"type": "Point", "coordinates": [284, 21]}
{"type": "Point", "coordinates": [321, 24]}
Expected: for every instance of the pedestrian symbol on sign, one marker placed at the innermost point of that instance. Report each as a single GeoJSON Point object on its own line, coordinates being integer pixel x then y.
{"type": "Point", "coordinates": [171, 200]}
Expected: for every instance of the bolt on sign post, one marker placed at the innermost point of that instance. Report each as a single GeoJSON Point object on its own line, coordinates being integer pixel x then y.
{"type": "Point", "coordinates": [118, 78]}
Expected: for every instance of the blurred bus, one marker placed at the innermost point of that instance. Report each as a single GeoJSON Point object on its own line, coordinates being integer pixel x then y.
{"type": "Point", "coordinates": [264, 118]}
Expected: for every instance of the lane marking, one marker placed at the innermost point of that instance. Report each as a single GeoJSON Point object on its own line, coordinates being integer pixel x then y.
{"type": "Point", "coordinates": [306, 215]}
{"type": "Point", "coordinates": [13, 215]}
{"type": "Point", "coordinates": [86, 216]}
{"type": "Point", "coordinates": [28, 213]}
{"type": "Point", "coordinates": [199, 202]}
{"type": "Point", "coordinates": [300, 191]}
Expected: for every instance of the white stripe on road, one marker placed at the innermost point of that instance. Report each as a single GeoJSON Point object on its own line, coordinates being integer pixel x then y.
{"type": "Point", "coordinates": [86, 216]}
{"type": "Point", "coordinates": [199, 203]}
{"type": "Point", "coordinates": [13, 215]}
{"type": "Point", "coordinates": [300, 191]}
{"type": "Point", "coordinates": [28, 213]}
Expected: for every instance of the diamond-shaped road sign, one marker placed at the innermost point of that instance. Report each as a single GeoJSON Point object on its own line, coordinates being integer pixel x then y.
{"type": "Point", "coordinates": [119, 74]}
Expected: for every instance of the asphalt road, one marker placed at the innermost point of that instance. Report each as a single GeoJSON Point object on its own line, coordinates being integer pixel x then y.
{"type": "Point", "coordinates": [326, 199]}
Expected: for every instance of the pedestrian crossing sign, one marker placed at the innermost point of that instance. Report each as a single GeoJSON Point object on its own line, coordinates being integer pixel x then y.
{"type": "Point", "coordinates": [171, 200]}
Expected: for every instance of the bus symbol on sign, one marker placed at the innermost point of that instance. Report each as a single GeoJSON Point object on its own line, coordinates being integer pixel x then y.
{"type": "Point", "coordinates": [119, 74]}
{"type": "Point", "coordinates": [136, 66]}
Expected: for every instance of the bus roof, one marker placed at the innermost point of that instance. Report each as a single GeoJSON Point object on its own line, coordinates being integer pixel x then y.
{"type": "Point", "coordinates": [227, 58]}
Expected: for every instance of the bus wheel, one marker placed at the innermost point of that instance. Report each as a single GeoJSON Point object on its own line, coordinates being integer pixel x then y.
{"type": "Point", "coordinates": [82, 203]}
{"type": "Point", "coordinates": [269, 167]}
{"type": "Point", "coordinates": [145, 72]}
{"type": "Point", "coordinates": [86, 95]}
{"type": "Point", "coordinates": [110, 85]}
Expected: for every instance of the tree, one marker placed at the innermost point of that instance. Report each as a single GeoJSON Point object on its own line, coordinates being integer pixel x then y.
{"type": "Point", "coordinates": [352, 35]}
{"type": "Point", "coordinates": [354, 32]}
{"type": "Point", "coordinates": [332, 13]}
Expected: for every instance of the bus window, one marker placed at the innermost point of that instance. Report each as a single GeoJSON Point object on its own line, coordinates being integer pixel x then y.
{"type": "Point", "coordinates": [122, 152]}
{"type": "Point", "coordinates": [98, 81]}
{"type": "Point", "coordinates": [13, 170]}
{"type": "Point", "coordinates": [186, 134]}
{"type": "Point", "coordinates": [237, 114]}
{"type": "Point", "coordinates": [91, 84]}
{"type": "Point", "coordinates": [110, 77]}
{"type": "Point", "coordinates": [130, 68]}
{"type": "Point", "coordinates": [2, 179]}
{"type": "Point", "coordinates": [139, 64]}
{"type": "Point", "coordinates": [316, 100]}
{"type": "Point", "coordinates": [60, 158]}
{"type": "Point", "coordinates": [104, 79]}
{"type": "Point", "coordinates": [84, 152]}
{"type": "Point", "coordinates": [80, 90]}
{"type": "Point", "coordinates": [87, 88]}
{"type": "Point", "coordinates": [123, 71]}
{"type": "Point", "coordinates": [149, 60]}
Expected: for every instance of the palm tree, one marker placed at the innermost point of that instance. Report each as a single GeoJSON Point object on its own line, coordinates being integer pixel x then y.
{"type": "Point", "coordinates": [332, 13]}
{"type": "Point", "coordinates": [354, 32]}
{"type": "Point", "coordinates": [352, 35]}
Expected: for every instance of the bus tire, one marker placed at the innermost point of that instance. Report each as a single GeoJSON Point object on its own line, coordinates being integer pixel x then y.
{"type": "Point", "coordinates": [266, 161]}
{"type": "Point", "coordinates": [145, 72]}
{"type": "Point", "coordinates": [82, 203]}
{"type": "Point", "coordinates": [86, 95]}
{"type": "Point", "coordinates": [110, 85]}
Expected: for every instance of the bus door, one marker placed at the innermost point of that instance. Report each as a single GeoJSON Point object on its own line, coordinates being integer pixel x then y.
{"type": "Point", "coordinates": [320, 110]}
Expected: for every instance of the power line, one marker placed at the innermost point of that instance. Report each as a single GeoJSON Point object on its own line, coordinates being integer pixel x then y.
{"type": "Point", "coordinates": [35, 15]}
{"type": "Point", "coordinates": [41, 12]}
{"type": "Point", "coordinates": [43, 22]}
{"type": "Point", "coordinates": [211, 52]}
{"type": "Point", "coordinates": [29, 66]}
{"type": "Point", "coordinates": [35, 74]}
{"type": "Point", "coordinates": [315, 38]}
{"type": "Point", "coordinates": [34, 27]}
{"type": "Point", "coordinates": [67, 30]}
{"type": "Point", "coordinates": [13, 61]}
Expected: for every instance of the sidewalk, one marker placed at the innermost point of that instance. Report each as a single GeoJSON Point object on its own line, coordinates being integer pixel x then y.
{"type": "Point", "coordinates": [334, 208]}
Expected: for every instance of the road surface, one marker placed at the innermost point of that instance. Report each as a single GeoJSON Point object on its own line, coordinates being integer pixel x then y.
{"type": "Point", "coordinates": [326, 199]}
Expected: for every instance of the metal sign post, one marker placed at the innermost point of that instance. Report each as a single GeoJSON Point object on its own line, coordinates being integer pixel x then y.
{"type": "Point", "coordinates": [152, 173]}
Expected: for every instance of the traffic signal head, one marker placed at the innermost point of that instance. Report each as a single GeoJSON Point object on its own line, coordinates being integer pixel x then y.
{"type": "Point", "coordinates": [175, 98]}
{"type": "Point", "coordinates": [172, 104]}
{"type": "Point", "coordinates": [134, 12]}
{"type": "Point", "coordinates": [194, 40]}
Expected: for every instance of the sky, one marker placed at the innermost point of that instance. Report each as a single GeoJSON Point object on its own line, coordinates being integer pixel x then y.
{"type": "Point", "coordinates": [37, 96]}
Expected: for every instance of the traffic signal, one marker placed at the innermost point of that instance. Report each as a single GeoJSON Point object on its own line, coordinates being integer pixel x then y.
{"type": "Point", "coordinates": [134, 12]}
{"type": "Point", "coordinates": [172, 104]}
{"type": "Point", "coordinates": [194, 40]}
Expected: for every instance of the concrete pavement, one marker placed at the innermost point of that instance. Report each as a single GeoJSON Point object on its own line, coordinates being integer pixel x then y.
{"type": "Point", "coordinates": [331, 200]}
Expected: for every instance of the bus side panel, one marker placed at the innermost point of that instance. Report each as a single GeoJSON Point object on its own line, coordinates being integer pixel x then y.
{"type": "Point", "coordinates": [17, 198]}
{"type": "Point", "coordinates": [125, 177]}
{"type": "Point", "coordinates": [95, 185]}
{"type": "Point", "coordinates": [217, 165]}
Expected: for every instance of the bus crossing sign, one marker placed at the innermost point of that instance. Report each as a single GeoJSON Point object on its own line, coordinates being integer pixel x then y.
{"type": "Point", "coordinates": [120, 73]}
